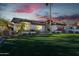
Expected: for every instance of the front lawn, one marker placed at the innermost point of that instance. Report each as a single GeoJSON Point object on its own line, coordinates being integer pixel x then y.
{"type": "Point", "coordinates": [55, 44]}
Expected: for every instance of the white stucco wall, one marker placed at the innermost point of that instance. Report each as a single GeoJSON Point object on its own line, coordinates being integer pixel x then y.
{"type": "Point", "coordinates": [54, 27]}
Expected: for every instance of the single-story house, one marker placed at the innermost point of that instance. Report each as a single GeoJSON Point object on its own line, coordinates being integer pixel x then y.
{"type": "Point", "coordinates": [28, 25]}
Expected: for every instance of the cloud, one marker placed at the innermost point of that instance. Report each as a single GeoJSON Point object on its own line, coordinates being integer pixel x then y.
{"type": "Point", "coordinates": [28, 8]}
{"type": "Point", "coordinates": [3, 6]}
{"type": "Point", "coordinates": [71, 17]}
{"type": "Point", "coordinates": [55, 13]}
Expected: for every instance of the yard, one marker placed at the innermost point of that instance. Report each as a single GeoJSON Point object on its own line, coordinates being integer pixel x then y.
{"type": "Point", "coordinates": [41, 45]}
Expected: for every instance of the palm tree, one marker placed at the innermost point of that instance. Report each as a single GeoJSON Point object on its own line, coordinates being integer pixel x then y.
{"type": "Point", "coordinates": [48, 18]}
{"type": "Point", "coordinates": [49, 21]}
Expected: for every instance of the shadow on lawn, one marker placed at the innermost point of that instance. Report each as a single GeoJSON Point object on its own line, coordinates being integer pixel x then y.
{"type": "Point", "coordinates": [37, 48]}
{"type": "Point", "coordinates": [31, 47]}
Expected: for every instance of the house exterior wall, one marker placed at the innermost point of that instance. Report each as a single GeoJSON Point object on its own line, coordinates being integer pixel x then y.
{"type": "Point", "coordinates": [35, 27]}
{"type": "Point", "coordinates": [16, 27]}
{"type": "Point", "coordinates": [57, 27]}
{"type": "Point", "coordinates": [54, 27]}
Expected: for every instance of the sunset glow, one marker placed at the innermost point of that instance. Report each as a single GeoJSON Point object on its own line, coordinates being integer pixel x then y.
{"type": "Point", "coordinates": [39, 11]}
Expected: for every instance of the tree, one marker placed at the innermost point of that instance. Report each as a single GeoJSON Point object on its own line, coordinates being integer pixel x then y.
{"type": "Point", "coordinates": [4, 25]}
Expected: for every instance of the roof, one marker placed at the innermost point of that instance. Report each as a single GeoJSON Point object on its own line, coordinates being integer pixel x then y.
{"type": "Point", "coordinates": [18, 20]}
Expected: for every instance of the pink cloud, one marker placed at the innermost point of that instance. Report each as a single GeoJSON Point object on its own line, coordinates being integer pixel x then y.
{"type": "Point", "coordinates": [28, 8]}
{"type": "Point", "coordinates": [24, 10]}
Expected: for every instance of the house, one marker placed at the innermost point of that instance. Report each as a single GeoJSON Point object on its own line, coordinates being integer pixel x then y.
{"type": "Point", "coordinates": [28, 25]}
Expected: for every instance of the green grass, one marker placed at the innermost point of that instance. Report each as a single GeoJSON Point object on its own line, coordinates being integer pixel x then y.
{"type": "Point", "coordinates": [42, 45]}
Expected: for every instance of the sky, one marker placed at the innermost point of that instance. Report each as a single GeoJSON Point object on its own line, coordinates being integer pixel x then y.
{"type": "Point", "coordinates": [34, 11]}
{"type": "Point", "coordinates": [62, 9]}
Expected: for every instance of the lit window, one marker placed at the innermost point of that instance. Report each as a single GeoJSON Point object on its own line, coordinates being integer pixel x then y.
{"type": "Point", "coordinates": [27, 26]}
{"type": "Point", "coordinates": [38, 27]}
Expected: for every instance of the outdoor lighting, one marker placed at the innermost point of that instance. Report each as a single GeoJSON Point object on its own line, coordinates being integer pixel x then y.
{"type": "Point", "coordinates": [27, 26]}
{"type": "Point", "coordinates": [38, 27]}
